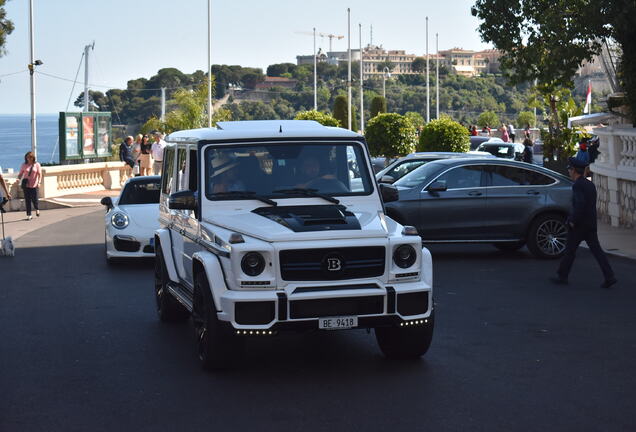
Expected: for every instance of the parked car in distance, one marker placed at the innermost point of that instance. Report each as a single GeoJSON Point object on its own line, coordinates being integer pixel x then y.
{"type": "Point", "coordinates": [478, 139]}
{"type": "Point", "coordinates": [505, 150]}
{"type": "Point", "coordinates": [487, 200]}
{"type": "Point", "coordinates": [131, 219]}
{"type": "Point", "coordinates": [406, 164]}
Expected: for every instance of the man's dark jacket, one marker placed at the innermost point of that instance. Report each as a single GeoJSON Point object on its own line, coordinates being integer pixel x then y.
{"type": "Point", "coordinates": [583, 215]}
{"type": "Point", "coordinates": [125, 154]}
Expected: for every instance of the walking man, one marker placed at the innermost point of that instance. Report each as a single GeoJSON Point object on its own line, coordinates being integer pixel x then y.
{"type": "Point", "coordinates": [126, 154]}
{"type": "Point", "coordinates": [582, 224]}
{"type": "Point", "coordinates": [157, 153]}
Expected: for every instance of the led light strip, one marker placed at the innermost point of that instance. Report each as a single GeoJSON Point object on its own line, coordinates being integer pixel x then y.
{"type": "Point", "coordinates": [413, 323]}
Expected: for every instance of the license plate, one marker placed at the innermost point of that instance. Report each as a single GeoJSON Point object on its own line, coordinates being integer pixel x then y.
{"type": "Point", "coordinates": [152, 241]}
{"type": "Point", "coordinates": [338, 323]}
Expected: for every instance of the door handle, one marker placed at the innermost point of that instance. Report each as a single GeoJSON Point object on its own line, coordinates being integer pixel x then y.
{"type": "Point", "coordinates": [533, 192]}
{"type": "Point", "coordinates": [474, 193]}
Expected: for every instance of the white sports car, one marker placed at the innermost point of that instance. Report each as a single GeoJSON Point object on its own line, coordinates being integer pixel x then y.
{"type": "Point", "coordinates": [132, 218]}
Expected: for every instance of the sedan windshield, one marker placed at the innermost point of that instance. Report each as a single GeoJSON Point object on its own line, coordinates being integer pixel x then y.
{"type": "Point", "coordinates": [138, 192]}
{"type": "Point", "coordinates": [419, 175]}
{"type": "Point", "coordinates": [286, 170]}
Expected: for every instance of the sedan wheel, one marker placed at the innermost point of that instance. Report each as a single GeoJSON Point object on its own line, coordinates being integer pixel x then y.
{"type": "Point", "coordinates": [547, 237]}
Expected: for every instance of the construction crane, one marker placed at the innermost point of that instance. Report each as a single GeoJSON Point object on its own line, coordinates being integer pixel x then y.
{"type": "Point", "coordinates": [324, 35]}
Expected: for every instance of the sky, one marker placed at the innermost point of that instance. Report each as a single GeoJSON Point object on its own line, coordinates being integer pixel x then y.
{"type": "Point", "coordinates": [136, 38]}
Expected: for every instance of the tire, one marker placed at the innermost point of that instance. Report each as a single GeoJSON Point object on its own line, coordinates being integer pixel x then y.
{"type": "Point", "coordinates": [217, 346]}
{"type": "Point", "coordinates": [509, 246]}
{"type": "Point", "coordinates": [547, 236]}
{"type": "Point", "coordinates": [405, 342]}
{"type": "Point", "coordinates": [168, 308]}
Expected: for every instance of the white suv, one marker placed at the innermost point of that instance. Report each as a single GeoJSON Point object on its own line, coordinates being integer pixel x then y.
{"type": "Point", "coordinates": [269, 226]}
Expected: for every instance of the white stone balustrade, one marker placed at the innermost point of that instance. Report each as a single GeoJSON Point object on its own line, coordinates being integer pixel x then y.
{"type": "Point", "coordinates": [615, 175]}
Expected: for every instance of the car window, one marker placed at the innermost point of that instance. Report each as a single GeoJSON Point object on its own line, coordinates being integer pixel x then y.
{"type": "Point", "coordinates": [512, 176]}
{"type": "Point", "coordinates": [182, 173]}
{"type": "Point", "coordinates": [404, 168]}
{"type": "Point", "coordinates": [502, 151]}
{"type": "Point", "coordinates": [140, 193]}
{"type": "Point", "coordinates": [167, 171]}
{"type": "Point", "coordinates": [419, 176]}
{"type": "Point", "coordinates": [462, 177]}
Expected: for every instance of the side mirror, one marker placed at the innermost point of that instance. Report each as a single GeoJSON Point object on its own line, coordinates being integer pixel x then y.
{"type": "Point", "coordinates": [183, 200]}
{"type": "Point", "coordinates": [437, 186]}
{"type": "Point", "coordinates": [389, 193]}
{"type": "Point", "coordinates": [108, 202]}
{"type": "Point", "coordinates": [387, 179]}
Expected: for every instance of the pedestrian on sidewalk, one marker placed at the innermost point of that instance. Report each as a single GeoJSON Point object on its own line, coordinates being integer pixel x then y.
{"type": "Point", "coordinates": [157, 152]}
{"type": "Point", "coordinates": [504, 133]}
{"type": "Point", "coordinates": [144, 156]}
{"type": "Point", "coordinates": [30, 177]}
{"type": "Point", "coordinates": [582, 226]}
{"type": "Point", "coordinates": [126, 154]}
{"type": "Point", "coordinates": [527, 155]}
{"type": "Point", "coordinates": [511, 132]}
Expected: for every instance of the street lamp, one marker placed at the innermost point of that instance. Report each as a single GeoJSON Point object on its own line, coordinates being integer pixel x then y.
{"type": "Point", "coordinates": [386, 74]}
{"type": "Point", "coordinates": [31, 67]}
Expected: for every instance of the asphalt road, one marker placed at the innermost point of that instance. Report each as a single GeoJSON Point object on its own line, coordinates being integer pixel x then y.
{"type": "Point", "coordinates": [82, 350]}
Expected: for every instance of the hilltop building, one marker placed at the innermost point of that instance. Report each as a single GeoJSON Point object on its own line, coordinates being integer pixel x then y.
{"type": "Point", "coordinates": [462, 62]}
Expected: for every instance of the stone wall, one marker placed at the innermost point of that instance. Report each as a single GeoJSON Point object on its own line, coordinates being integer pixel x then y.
{"type": "Point", "coordinates": [627, 203]}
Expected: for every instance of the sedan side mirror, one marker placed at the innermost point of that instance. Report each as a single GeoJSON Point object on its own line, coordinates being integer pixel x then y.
{"type": "Point", "coordinates": [437, 186]}
{"type": "Point", "coordinates": [108, 202]}
{"type": "Point", "coordinates": [389, 193]}
{"type": "Point", "coordinates": [183, 200]}
{"type": "Point", "coordinates": [387, 179]}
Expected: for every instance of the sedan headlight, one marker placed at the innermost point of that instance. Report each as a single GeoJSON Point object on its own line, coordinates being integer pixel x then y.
{"type": "Point", "coordinates": [404, 256]}
{"type": "Point", "coordinates": [253, 264]}
{"type": "Point", "coordinates": [119, 220]}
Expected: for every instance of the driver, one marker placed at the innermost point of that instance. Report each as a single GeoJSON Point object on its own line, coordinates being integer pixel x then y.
{"type": "Point", "coordinates": [226, 176]}
{"type": "Point", "coordinates": [310, 172]}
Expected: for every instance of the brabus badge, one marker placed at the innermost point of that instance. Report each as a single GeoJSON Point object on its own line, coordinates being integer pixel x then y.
{"type": "Point", "coordinates": [334, 264]}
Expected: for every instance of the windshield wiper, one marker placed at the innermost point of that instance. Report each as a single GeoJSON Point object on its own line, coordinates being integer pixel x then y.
{"type": "Point", "coordinates": [246, 195]}
{"type": "Point", "coordinates": [308, 193]}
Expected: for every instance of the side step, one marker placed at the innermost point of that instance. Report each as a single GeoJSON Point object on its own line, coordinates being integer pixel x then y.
{"type": "Point", "coordinates": [181, 295]}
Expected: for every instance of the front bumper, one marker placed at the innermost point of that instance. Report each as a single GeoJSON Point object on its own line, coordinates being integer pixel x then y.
{"type": "Point", "coordinates": [300, 308]}
{"type": "Point", "coordinates": [127, 245]}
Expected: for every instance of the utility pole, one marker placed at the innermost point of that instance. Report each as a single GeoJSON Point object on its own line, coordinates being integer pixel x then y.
{"type": "Point", "coordinates": [349, 68]}
{"type": "Point", "coordinates": [209, 68]}
{"type": "Point", "coordinates": [437, 75]}
{"type": "Point", "coordinates": [428, 98]}
{"type": "Point", "coordinates": [361, 84]}
{"type": "Point", "coordinates": [34, 144]}
{"type": "Point", "coordinates": [87, 99]}
{"type": "Point", "coordinates": [163, 103]}
{"type": "Point", "coordinates": [315, 73]}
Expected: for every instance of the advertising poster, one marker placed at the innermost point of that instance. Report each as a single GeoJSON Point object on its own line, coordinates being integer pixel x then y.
{"type": "Point", "coordinates": [72, 136]}
{"type": "Point", "coordinates": [88, 132]}
{"type": "Point", "coordinates": [103, 137]}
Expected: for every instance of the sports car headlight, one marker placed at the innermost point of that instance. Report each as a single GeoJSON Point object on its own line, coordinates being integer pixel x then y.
{"type": "Point", "coordinates": [404, 256]}
{"type": "Point", "coordinates": [119, 220]}
{"type": "Point", "coordinates": [253, 264]}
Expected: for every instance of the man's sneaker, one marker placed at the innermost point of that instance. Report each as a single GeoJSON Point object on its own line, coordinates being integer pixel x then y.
{"type": "Point", "coordinates": [609, 283]}
{"type": "Point", "coordinates": [558, 280]}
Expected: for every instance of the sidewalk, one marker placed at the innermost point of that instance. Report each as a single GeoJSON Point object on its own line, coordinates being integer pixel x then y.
{"type": "Point", "coordinates": [617, 241]}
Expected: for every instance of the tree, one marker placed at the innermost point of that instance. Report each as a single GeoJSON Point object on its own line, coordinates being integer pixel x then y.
{"type": "Point", "coordinates": [322, 118]}
{"type": "Point", "coordinates": [526, 118]}
{"type": "Point", "coordinates": [251, 79]}
{"type": "Point", "coordinates": [390, 135]}
{"type": "Point", "coordinates": [279, 69]}
{"type": "Point", "coordinates": [378, 106]}
{"type": "Point", "coordinates": [415, 118]}
{"type": "Point", "coordinates": [419, 64]}
{"type": "Point", "coordinates": [445, 135]}
{"type": "Point", "coordinates": [547, 41]}
{"type": "Point", "coordinates": [385, 64]}
{"type": "Point", "coordinates": [488, 118]}
{"type": "Point", "coordinates": [340, 111]}
{"type": "Point", "coordinates": [6, 27]}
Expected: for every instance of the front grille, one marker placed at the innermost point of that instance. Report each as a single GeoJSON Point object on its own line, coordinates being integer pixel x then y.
{"type": "Point", "coordinates": [125, 245]}
{"type": "Point", "coordinates": [370, 305]}
{"type": "Point", "coordinates": [332, 264]}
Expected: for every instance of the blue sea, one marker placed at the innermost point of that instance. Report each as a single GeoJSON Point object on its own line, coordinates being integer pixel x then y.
{"type": "Point", "coordinates": [15, 139]}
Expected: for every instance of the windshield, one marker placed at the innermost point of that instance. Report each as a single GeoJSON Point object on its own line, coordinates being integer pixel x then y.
{"type": "Point", "coordinates": [286, 170]}
{"type": "Point", "coordinates": [419, 175]}
{"type": "Point", "coordinates": [141, 193]}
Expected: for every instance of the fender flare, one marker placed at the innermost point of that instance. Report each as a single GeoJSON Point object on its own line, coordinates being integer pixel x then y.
{"type": "Point", "coordinates": [162, 238]}
{"type": "Point", "coordinates": [211, 265]}
{"type": "Point", "coordinates": [426, 269]}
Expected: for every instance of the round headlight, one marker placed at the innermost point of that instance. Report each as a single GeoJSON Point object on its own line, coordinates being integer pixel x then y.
{"type": "Point", "coordinates": [119, 220]}
{"type": "Point", "coordinates": [404, 256]}
{"type": "Point", "coordinates": [253, 264]}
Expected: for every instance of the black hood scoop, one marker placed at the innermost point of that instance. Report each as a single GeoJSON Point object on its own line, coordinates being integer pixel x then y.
{"type": "Point", "coordinates": [311, 218]}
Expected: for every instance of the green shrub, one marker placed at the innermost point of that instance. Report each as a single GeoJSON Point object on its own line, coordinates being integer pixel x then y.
{"type": "Point", "coordinates": [488, 118]}
{"type": "Point", "coordinates": [444, 135]}
{"type": "Point", "coordinates": [322, 118]}
{"type": "Point", "coordinates": [390, 135]}
{"type": "Point", "coordinates": [378, 106]}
